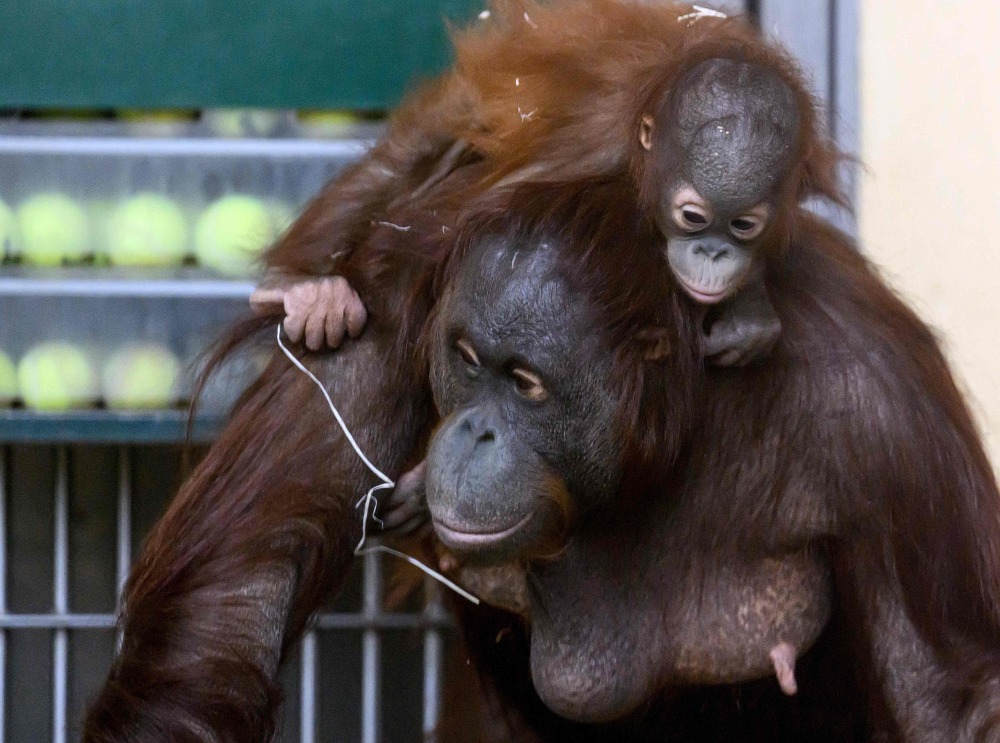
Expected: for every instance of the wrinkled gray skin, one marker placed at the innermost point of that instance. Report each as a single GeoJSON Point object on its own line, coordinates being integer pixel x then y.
{"type": "Point", "coordinates": [728, 133]}
{"type": "Point", "coordinates": [500, 465]}
{"type": "Point", "coordinates": [736, 127]}
{"type": "Point", "coordinates": [610, 630]}
{"type": "Point", "coordinates": [626, 603]}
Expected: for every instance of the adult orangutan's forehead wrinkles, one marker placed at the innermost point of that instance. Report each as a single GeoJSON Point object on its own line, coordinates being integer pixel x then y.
{"type": "Point", "coordinates": [517, 296]}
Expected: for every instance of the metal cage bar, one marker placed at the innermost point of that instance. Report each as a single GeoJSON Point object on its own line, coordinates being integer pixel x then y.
{"type": "Point", "coordinates": [60, 641]}
{"type": "Point", "coordinates": [309, 678]}
{"type": "Point", "coordinates": [123, 530]}
{"type": "Point", "coordinates": [3, 591]}
{"type": "Point", "coordinates": [433, 657]}
{"type": "Point", "coordinates": [371, 676]}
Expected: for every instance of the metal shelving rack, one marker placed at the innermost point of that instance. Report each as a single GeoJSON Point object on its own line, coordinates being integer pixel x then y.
{"type": "Point", "coordinates": [357, 627]}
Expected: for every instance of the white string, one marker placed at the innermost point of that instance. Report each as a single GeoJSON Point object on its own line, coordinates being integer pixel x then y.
{"type": "Point", "coordinates": [699, 13]}
{"type": "Point", "coordinates": [368, 499]}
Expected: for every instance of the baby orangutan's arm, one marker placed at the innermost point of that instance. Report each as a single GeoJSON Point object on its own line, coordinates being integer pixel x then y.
{"type": "Point", "coordinates": [745, 329]}
{"type": "Point", "coordinates": [318, 311]}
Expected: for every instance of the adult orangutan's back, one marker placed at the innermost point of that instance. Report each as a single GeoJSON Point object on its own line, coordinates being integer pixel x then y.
{"type": "Point", "coordinates": [853, 438]}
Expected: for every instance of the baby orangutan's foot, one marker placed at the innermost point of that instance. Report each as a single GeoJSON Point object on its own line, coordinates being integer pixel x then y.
{"type": "Point", "coordinates": [321, 311]}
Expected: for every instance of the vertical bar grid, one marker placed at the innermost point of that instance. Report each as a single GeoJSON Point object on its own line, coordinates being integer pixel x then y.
{"type": "Point", "coordinates": [371, 681]}
{"type": "Point", "coordinates": [372, 620]}
{"type": "Point", "coordinates": [308, 679]}
{"type": "Point", "coordinates": [60, 645]}
{"type": "Point", "coordinates": [433, 653]}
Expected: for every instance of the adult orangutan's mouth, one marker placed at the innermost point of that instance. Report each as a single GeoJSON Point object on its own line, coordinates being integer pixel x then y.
{"type": "Point", "coordinates": [461, 538]}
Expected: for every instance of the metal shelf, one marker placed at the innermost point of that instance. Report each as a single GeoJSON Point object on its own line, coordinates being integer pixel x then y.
{"type": "Point", "coordinates": [105, 427]}
{"type": "Point", "coordinates": [145, 147]}
{"type": "Point", "coordinates": [186, 283]}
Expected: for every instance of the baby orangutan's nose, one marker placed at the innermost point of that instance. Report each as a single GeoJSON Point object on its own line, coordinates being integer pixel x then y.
{"type": "Point", "coordinates": [712, 249]}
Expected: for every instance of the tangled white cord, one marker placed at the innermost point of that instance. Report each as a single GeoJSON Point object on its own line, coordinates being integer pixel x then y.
{"type": "Point", "coordinates": [368, 500]}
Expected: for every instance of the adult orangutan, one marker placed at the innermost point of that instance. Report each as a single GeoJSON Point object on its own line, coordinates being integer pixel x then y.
{"type": "Point", "coordinates": [671, 528]}
{"type": "Point", "coordinates": [848, 448]}
{"type": "Point", "coordinates": [263, 530]}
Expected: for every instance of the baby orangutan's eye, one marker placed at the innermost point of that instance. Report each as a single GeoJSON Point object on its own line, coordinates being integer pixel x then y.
{"type": "Point", "coordinates": [529, 385]}
{"type": "Point", "coordinates": [748, 226]}
{"type": "Point", "coordinates": [691, 218]}
{"type": "Point", "coordinates": [468, 354]}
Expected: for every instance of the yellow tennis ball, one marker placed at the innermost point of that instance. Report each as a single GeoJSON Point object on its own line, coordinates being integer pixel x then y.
{"type": "Point", "coordinates": [57, 376]}
{"type": "Point", "coordinates": [54, 228]}
{"type": "Point", "coordinates": [8, 380]}
{"type": "Point", "coordinates": [283, 215]}
{"type": "Point", "coordinates": [140, 377]}
{"type": "Point", "coordinates": [242, 122]}
{"type": "Point", "coordinates": [10, 242]}
{"type": "Point", "coordinates": [231, 233]}
{"type": "Point", "coordinates": [328, 123]}
{"type": "Point", "coordinates": [146, 230]}
{"type": "Point", "coordinates": [70, 114]}
{"type": "Point", "coordinates": [156, 115]}
{"type": "Point", "coordinates": [157, 122]}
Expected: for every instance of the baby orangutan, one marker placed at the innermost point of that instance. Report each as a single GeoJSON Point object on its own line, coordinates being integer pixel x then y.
{"type": "Point", "coordinates": [714, 177]}
{"type": "Point", "coordinates": [714, 172]}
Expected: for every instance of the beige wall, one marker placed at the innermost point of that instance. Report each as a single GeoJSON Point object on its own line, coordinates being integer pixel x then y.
{"type": "Point", "coordinates": [930, 201]}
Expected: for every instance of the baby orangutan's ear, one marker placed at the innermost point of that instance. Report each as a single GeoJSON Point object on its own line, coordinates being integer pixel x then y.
{"type": "Point", "coordinates": [655, 343]}
{"type": "Point", "coordinates": [646, 126]}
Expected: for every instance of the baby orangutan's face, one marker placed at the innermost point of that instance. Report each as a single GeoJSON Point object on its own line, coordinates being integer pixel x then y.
{"type": "Point", "coordinates": [712, 250]}
{"type": "Point", "coordinates": [717, 153]}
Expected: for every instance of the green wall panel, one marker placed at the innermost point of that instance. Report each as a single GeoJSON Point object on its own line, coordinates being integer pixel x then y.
{"type": "Point", "coordinates": [203, 53]}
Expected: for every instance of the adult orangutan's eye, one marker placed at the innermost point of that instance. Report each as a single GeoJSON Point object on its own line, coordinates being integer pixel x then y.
{"type": "Point", "coordinates": [468, 354]}
{"type": "Point", "coordinates": [529, 385]}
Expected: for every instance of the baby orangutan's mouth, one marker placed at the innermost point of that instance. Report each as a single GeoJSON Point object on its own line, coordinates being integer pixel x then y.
{"type": "Point", "coordinates": [705, 295]}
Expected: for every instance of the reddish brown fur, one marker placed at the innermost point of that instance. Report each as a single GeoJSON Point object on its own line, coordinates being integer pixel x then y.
{"type": "Point", "coordinates": [588, 70]}
{"type": "Point", "coordinates": [341, 217]}
{"type": "Point", "coordinates": [871, 407]}
{"type": "Point", "coordinates": [273, 500]}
